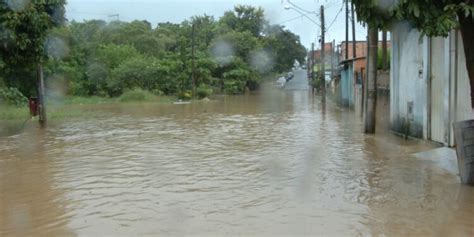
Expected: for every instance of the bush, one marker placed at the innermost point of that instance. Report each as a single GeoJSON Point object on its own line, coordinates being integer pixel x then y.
{"type": "Point", "coordinates": [136, 95]}
{"type": "Point", "coordinates": [203, 91]}
{"type": "Point", "coordinates": [146, 73]}
{"type": "Point", "coordinates": [12, 96]}
{"type": "Point", "coordinates": [185, 95]}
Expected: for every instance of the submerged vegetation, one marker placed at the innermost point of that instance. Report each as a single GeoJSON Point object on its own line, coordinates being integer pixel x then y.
{"type": "Point", "coordinates": [134, 61]}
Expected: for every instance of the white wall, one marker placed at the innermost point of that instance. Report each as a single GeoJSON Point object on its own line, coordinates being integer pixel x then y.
{"type": "Point", "coordinates": [407, 84]}
{"type": "Point", "coordinates": [417, 64]}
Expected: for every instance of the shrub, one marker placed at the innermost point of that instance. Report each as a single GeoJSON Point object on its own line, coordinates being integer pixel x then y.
{"type": "Point", "coordinates": [203, 91]}
{"type": "Point", "coordinates": [12, 96]}
{"type": "Point", "coordinates": [136, 95]}
{"type": "Point", "coordinates": [185, 95]}
{"type": "Point", "coordinates": [146, 73]}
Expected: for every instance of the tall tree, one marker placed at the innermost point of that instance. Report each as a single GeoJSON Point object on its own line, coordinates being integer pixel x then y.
{"type": "Point", "coordinates": [245, 18]}
{"type": "Point", "coordinates": [25, 26]}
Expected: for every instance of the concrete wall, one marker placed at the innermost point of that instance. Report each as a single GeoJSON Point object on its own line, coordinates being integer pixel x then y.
{"type": "Point", "coordinates": [383, 80]}
{"type": "Point", "coordinates": [408, 81]}
{"type": "Point", "coordinates": [429, 75]}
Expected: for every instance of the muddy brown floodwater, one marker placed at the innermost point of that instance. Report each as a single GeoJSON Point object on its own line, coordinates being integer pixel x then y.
{"type": "Point", "coordinates": [271, 163]}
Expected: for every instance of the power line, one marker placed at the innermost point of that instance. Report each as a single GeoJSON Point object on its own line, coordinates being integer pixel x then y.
{"type": "Point", "coordinates": [335, 18]}
{"type": "Point", "coordinates": [289, 20]}
{"type": "Point", "coordinates": [303, 10]}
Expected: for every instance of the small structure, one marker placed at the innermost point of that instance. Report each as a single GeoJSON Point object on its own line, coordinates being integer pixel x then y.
{"type": "Point", "coordinates": [351, 84]}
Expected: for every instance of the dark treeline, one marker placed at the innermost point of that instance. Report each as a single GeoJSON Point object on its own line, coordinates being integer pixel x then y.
{"type": "Point", "coordinates": [96, 58]}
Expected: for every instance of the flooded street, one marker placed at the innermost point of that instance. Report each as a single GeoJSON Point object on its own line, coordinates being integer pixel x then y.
{"type": "Point", "coordinates": [271, 163]}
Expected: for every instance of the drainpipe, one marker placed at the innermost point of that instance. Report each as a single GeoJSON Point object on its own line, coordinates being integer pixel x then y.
{"type": "Point", "coordinates": [448, 76]}
{"type": "Point", "coordinates": [428, 81]}
{"type": "Point", "coordinates": [456, 55]}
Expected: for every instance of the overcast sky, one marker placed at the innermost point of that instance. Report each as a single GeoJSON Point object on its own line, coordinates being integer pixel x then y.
{"type": "Point", "coordinates": [176, 11]}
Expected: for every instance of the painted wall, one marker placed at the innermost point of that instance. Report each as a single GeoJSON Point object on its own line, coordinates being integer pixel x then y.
{"type": "Point", "coordinates": [347, 85]}
{"type": "Point", "coordinates": [429, 85]}
{"type": "Point", "coordinates": [408, 81]}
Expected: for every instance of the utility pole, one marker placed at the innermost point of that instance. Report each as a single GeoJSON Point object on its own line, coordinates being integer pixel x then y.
{"type": "Point", "coordinates": [323, 61]}
{"type": "Point", "coordinates": [193, 62]}
{"type": "Point", "coordinates": [347, 30]}
{"type": "Point", "coordinates": [371, 98]}
{"type": "Point", "coordinates": [312, 67]}
{"type": "Point", "coordinates": [354, 55]}
{"type": "Point", "coordinates": [332, 58]}
{"type": "Point", "coordinates": [41, 99]}
{"type": "Point", "coordinates": [384, 50]}
{"type": "Point", "coordinates": [338, 54]}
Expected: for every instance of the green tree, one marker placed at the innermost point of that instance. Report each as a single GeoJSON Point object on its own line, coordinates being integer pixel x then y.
{"type": "Point", "coordinates": [25, 26]}
{"type": "Point", "coordinates": [286, 47]}
{"type": "Point", "coordinates": [244, 18]}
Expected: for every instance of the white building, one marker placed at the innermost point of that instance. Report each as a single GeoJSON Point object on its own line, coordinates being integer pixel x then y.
{"type": "Point", "coordinates": [429, 84]}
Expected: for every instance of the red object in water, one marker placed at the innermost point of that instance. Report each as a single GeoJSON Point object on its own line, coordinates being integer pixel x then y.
{"type": "Point", "coordinates": [33, 105]}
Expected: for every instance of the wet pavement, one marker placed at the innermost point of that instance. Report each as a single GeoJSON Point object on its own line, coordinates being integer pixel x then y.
{"type": "Point", "coordinates": [275, 162]}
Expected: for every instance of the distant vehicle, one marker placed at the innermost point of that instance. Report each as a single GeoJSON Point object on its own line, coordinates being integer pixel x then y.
{"type": "Point", "coordinates": [303, 67]}
{"type": "Point", "coordinates": [281, 82]}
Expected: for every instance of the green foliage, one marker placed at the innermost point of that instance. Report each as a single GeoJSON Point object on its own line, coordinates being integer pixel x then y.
{"type": "Point", "coordinates": [113, 55]}
{"type": "Point", "coordinates": [185, 95]}
{"type": "Point", "coordinates": [12, 96]}
{"type": "Point", "coordinates": [138, 72]}
{"type": "Point", "coordinates": [110, 59]}
{"type": "Point", "coordinates": [25, 28]}
{"type": "Point", "coordinates": [244, 19]}
{"type": "Point", "coordinates": [380, 60]}
{"type": "Point", "coordinates": [282, 42]}
{"type": "Point", "coordinates": [203, 91]}
{"type": "Point", "coordinates": [136, 95]}
{"type": "Point", "coordinates": [432, 18]}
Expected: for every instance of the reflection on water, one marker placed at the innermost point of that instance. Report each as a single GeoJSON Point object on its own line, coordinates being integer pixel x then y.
{"type": "Point", "coordinates": [263, 164]}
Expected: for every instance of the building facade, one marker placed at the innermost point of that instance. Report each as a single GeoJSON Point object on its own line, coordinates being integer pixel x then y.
{"type": "Point", "coordinates": [429, 84]}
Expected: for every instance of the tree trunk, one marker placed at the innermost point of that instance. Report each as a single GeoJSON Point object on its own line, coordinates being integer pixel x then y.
{"type": "Point", "coordinates": [41, 99]}
{"type": "Point", "coordinates": [467, 32]}
{"type": "Point", "coordinates": [371, 98]}
{"type": "Point", "coordinates": [323, 60]}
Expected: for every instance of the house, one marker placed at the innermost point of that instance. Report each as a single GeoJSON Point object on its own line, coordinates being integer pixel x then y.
{"type": "Point", "coordinates": [429, 84]}
{"type": "Point", "coordinates": [361, 49]}
{"type": "Point", "coordinates": [328, 49]}
{"type": "Point", "coordinates": [351, 81]}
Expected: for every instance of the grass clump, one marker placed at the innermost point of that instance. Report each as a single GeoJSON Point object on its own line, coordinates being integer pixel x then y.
{"type": "Point", "coordinates": [8, 112]}
{"type": "Point", "coordinates": [136, 95]}
{"type": "Point", "coordinates": [87, 100]}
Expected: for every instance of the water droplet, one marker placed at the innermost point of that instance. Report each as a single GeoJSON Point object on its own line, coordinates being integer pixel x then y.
{"type": "Point", "coordinates": [56, 47]}
{"type": "Point", "coordinates": [223, 52]}
{"type": "Point", "coordinates": [261, 60]}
